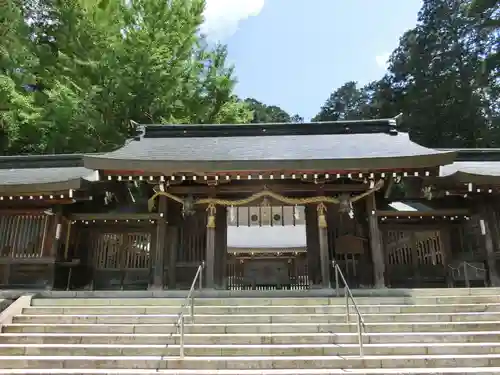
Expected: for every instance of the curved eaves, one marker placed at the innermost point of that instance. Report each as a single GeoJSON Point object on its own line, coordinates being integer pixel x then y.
{"type": "Point", "coordinates": [40, 180]}
{"type": "Point", "coordinates": [307, 152]}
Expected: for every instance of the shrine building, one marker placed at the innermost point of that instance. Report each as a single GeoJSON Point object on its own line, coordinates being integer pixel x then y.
{"type": "Point", "coordinates": [263, 206]}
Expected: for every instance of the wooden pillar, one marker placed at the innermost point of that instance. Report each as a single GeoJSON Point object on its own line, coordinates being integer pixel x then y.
{"type": "Point", "coordinates": [159, 251]}
{"type": "Point", "coordinates": [56, 240]}
{"type": "Point", "coordinates": [312, 241]}
{"type": "Point", "coordinates": [375, 243]}
{"type": "Point", "coordinates": [220, 247]}
{"type": "Point", "coordinates": [487, 225]}
{"type": "Point", "coordinates": [323, 246]}
{"type": "Point", "coordinates": [210, 254]}
{"type": "Point", "coordinates": [172, 244]}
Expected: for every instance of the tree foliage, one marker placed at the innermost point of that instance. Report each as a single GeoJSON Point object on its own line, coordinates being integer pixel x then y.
{"type": "Point", "coordinates": [436, 79]}
{"type": "Point", "coordinates": [269, 113]}
{"type": "Point", "coordinates": [487, 14]}
{"type": "Point", "coordinates": [74, 73]}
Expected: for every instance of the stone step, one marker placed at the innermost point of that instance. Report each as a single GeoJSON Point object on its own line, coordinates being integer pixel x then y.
{"type": "Point", "coordinates": [262, 301]}
{"type": "Point", "coordinates": [248, 338]}
{"type": "Point", "coordinates": [214, 328]}
{"type": "Point", "coordinates": [245, 363]}
{"type": "Point", "coordinates": [254, 318]}
{"type": "Point", "coordinates": [342, 371]}
{"type": "Point", "coordinates": [387, 292]}
{"type": "Point", "coordinates": [261, 309]}
{"type": "Point", "coordinates": [250, 350]}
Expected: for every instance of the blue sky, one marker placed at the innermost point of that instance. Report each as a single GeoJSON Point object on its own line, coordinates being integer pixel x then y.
{"type": "Point", "coordinates": [294, 53]}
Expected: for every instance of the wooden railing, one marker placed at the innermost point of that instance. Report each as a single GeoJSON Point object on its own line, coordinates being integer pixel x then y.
{"type": "Point", "coordinates": [24, 236]}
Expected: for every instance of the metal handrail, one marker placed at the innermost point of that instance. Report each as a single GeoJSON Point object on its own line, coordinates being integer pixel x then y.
{"type": "Point", "coordinates": [189, 299]}
{"type": "Point", "coordinates": [464, 265]}
{"type": "Point", "coordinates": [348, 295]}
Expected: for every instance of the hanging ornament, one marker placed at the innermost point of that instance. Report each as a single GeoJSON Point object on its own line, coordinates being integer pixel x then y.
{"type": "Point", "coordinates": [345, 205]}
{"type": "Point", "coordinates": [188, 206]}
{"type": "Point", "coordinates": [296, 212]}
{"type": "Point", "coordinates": [351, 213]}
{"type": "Point", "coordinates": [232, 215]}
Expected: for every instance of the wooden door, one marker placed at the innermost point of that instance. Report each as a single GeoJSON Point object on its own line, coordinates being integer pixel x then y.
{"type": "Point", "coordinates": [121, 260]}
{"type": "Point", "coordinates": [415, 257]}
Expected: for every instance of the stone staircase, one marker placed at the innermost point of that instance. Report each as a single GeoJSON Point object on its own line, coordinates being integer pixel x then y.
{"type": "Point", "coordinates": [439, 331]}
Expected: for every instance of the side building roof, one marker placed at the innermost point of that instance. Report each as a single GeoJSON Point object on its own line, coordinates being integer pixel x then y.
{"type": "Point", "coordinates": [344, 145]}
{"type": "Point", "coordinates": [43, 173]}
{"type": "Point", "coordinates": [481, 166]}
{"type": "Point", "coordinates": [367, 145]}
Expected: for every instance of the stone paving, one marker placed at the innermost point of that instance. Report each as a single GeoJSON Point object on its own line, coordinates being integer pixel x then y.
{"type": "Point", "coordinates": [439, 331]}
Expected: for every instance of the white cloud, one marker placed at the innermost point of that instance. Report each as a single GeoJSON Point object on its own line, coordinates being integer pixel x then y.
{"type": "Point", "coordinates": [222, 17]}
{"type": "Point", "coordinates": [382, 60]}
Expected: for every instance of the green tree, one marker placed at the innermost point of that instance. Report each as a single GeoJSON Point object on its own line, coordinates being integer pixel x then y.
{"type": "Point", "coordinates": [487, 14]}
{"type": "Point", "coordinates": [435, 79]}
{"type": "Point", "coordinates": [269, 113]}
{"type": "Point", "coordinates": [101, 63]}
{"type": "Point", "coordinates": [350, 102]}
{"type": "Point", "coordinates": [18, 113]}
{"type": "Point", "coordinates": [345, 103]}
{"type": "Point", "coordinates": [436, 67]}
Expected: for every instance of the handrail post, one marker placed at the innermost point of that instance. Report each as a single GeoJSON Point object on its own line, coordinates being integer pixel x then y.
{"type": "Point", "coordinates": [200, 280]}
{"type": "Point", "coordinates": [360, 337]}
{"type": "Point", "coordinates": [337, 286]}
{"type": "Point", "coordinates": [466, 276]}
{"type": "Point", "coordinates": [348, 295]}
{"type": "Point", "coordinates": [347, 309]}
{"type": "Point", "coordinates": [192, 308]}
{"type": "Point", "coordinates": [179, 325]}
{"type": "Point", "coordinates": [181, 337]}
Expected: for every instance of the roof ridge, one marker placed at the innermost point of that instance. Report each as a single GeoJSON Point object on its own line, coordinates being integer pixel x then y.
{"type": "Point", "coordinates": [475, 154]}
{"type": "Point", "coordinates": [41, 161]}
{"type": "Point", "coordinates": [387, 126]}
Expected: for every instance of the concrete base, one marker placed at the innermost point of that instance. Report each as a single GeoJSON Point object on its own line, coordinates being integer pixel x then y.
{"type": "Point", "coordinates": [215, 293]}
{"type": "Point", "coordinates": [419, 331]}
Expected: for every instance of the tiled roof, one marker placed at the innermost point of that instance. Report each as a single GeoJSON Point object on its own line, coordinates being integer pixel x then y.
{"type": "Point", "coordinates": [42, 173]}
{"type": "Point", "coordinates": [349, 145]}
{"type": "Point", "coordinates": [484, 168]}
{"type": "Point", "coordinates": [474, 165]}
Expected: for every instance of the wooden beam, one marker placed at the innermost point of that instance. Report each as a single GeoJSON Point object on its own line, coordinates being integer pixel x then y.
{"type": "Point", "coordinates": [22, 211]}
{"type": "Point", "coordinates": [35, 202]}
{"type": "Point", "coordinates": [323, 247]}
{"type": "Point", "coordinates": [312, 241]}
{"type": "Point", "coordinates": [115, 216]}
{"type": "Point", "coordinates": [159, 251]}
{"type": "Point", "coordinates": [210, 249]}
{"type": "Point", "coordinates": [487, 219]}
{"type": "Point", "coordinates": [388, 190]}
{"type": "Point", "coordinates": [252, 189]}
{"type": "Point", "coordinates": [448, 212]}
{"type": "Point", "coordinates": [42, 260]}
{"type": "Point", "coordinates": [57, 231]}
{"type": "Point", "coordinates": [221, 250]}
{"type": "Point", "coordinates": [375, 242]}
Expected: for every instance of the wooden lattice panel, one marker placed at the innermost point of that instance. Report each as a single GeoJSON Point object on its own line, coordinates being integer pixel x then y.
{"type": "Point", "coordinates": [122, 250]}
{"type": "Point", "coordinates": [23, 236]}
{"type": "Point", "coordinates": [194, 239]}
{"type": "Point", "coordinates": [407, 247]}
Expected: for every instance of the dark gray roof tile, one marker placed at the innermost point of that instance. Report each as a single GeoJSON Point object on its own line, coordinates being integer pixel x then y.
{"type": "Point", "coordinates": [349, 151]}
{"type": "Point", "coordinates": [291, 147]}
{"type": "Point", "coordinates": [43, 179]}
{"type": "Point", "coordinates": [484, 168]}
